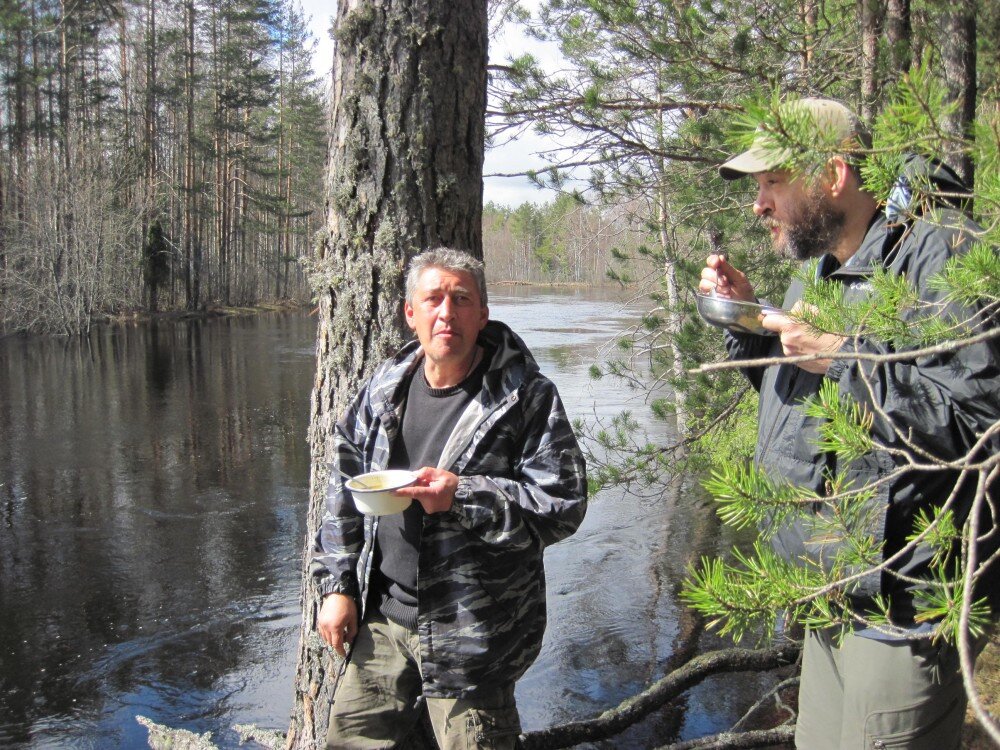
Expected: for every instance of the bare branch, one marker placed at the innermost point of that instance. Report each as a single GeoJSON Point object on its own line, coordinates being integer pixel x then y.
{"type": "Point", "coordinates": [617, 719]}
{"type": "Point", "coordinates": [738, 740]}
{"type": "Point", "coordinates": [950, 346]}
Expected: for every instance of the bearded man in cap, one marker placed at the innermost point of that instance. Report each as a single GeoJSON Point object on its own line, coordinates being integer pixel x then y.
{"type": "Point", "coordinates": [891, 685]}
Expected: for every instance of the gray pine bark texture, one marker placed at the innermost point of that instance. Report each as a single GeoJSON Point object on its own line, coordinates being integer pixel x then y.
{"type": "Point", "coordinates": [958, 52]}
{"type": "Point", "coordinates": [404, 175]}
{"type": "Point", "coordinates": [872, 14]}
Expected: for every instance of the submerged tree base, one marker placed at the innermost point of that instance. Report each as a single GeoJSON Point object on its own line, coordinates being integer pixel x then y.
{"type": "Point", "coordinates": [132, 317]}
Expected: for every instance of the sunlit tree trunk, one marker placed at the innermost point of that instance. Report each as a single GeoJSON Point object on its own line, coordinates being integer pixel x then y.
{"type": "Point", "coordinates": [674, 315]}
{"type": "Point", "coordinates": [284, 199]}
{"type": "Point", "coordinates": [405, 174]}
{"type": "Point", "coordinates": [189, 164]}
{"type": "Point", "coordinates": [810, 17]}
{"type": "Point", "coordinates": [150, 130]}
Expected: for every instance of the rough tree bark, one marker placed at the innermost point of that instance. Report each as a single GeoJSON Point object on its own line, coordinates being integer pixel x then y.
{"type": "Point", "coordinates": [899, 33]}
{"type": "Point", "coordinates": [872, 13]}
{"type": "Point", "coordinates": [958, 52]}
{"type": "Point", "coordinates": [404, 174]}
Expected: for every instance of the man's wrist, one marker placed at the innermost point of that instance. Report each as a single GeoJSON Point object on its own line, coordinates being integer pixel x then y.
{"type": "Point", "coordinates": [331, 585]}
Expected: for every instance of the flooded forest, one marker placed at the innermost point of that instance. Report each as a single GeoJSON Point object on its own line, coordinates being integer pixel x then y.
{"type": "Point", "coordinates": [204, 229]}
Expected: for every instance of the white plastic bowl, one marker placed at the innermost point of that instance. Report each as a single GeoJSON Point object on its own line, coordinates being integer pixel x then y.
{"type": "Point", "coordinates": [372, 492]}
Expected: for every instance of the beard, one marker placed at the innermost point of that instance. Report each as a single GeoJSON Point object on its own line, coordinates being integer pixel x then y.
{"type": "Point", "coordinates": [814, 228]}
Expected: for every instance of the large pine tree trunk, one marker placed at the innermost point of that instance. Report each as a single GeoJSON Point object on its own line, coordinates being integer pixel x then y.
{"type": "Point", "coordinates": [899, 33]}
{"type": "Point", "coordinates": [404, 174]}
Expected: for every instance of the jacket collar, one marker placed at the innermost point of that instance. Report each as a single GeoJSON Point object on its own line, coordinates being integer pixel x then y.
{"type": "Point", "coordinates": [512, 363]}
{"type": "Point", "coordinates": [878, 241]}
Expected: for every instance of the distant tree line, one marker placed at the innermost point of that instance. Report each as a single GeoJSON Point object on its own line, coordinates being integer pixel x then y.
{"type": "Point", "coordinates": [154, 153]}
{"type": "Point", "coordinates": [564, 241]}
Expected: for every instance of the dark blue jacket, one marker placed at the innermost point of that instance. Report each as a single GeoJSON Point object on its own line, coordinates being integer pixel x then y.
{"type": "Point", "coordinates": [938, 405]}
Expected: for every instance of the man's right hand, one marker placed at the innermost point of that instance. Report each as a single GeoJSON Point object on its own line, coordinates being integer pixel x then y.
{"type": "Point", "coordinates": [725, 280]}
{"type": "Point", "coordinates": [337, 621]}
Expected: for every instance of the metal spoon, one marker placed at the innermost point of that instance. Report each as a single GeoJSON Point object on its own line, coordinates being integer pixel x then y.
{"type": "Point", "coordinates": [349, 478]}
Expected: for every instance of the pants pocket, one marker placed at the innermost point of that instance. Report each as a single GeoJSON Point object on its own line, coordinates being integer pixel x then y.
{"type": "Point", "coordinates": [927, 726]}
{"type": "Point", "coordinates": [493, 729]}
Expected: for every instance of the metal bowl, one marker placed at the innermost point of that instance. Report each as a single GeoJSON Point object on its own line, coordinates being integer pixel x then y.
{"type": "Point", "coordinates": [373, 492]}
{"type": "Point", "coordinates": [735, 315]}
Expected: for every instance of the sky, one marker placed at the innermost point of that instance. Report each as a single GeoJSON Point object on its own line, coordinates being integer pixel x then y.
{"type": "Point", "coordinates": [514, 156]}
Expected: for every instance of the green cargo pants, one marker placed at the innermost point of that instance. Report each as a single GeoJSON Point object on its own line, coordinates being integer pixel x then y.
{"type": "Point", "coordinates": [378, 700]}
{"type": "Point", "coordinates": [867, 694]}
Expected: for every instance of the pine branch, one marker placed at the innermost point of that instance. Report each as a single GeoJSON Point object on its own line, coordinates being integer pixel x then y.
{"type": "Point", "coordinates": [943, 348]}
{"type": "Point", "coordinates": [965, 647]}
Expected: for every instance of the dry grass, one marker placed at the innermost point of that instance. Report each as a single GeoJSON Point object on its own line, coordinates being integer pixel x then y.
{"type": "Point", "coordinates": [988, 682]}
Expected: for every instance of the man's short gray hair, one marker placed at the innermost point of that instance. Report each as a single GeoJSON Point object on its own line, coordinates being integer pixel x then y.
{"type": "Point", "coordinates": [448, 260]}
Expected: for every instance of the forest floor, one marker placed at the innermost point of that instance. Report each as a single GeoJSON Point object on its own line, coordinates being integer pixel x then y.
{"type": "Point", "coordinates": [988, 682]}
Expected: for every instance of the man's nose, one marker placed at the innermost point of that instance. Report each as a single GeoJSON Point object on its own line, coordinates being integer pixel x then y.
{"type": "Point", "coordinates": [762, 205]}
{"type": "Point", "coordinates": [447, 311]}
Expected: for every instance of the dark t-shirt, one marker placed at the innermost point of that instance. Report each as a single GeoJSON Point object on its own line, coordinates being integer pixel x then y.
{"type": "Point", "coordinates": [429, 417]}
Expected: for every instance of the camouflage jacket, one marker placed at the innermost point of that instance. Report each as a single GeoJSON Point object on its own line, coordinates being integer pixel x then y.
{"type": "Point", "coordinates": [522, 486]}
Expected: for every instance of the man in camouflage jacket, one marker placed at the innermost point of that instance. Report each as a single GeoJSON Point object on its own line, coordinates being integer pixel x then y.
{"type": "Point", "coordinates": [508, 480]}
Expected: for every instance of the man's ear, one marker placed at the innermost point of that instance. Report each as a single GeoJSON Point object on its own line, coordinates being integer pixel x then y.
{"type": "Point", "coordinates": [408, 314]}
{"type": "Point", "coordinates": [838, 176]}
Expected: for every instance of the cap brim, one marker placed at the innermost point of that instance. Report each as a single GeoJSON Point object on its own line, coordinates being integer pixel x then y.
{"type": "Point", "coordinates": [753, 160]}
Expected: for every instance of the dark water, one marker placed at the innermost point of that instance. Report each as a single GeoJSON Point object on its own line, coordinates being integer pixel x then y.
{"type": "Point", "coordinates": [153, 483]}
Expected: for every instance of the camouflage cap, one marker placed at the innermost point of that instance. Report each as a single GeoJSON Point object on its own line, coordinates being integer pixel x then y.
{"type": "Point", "coordinates": [834, 123]}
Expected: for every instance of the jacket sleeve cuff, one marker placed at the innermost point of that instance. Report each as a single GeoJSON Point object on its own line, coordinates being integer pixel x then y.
{"type": "Point", "coordinates": [330, 585]}
{"type": "Point", "coordinates": [471, 508]}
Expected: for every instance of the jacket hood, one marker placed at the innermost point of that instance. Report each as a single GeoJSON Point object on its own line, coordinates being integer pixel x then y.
{"type": "Point", "coordinates": [925, 183]}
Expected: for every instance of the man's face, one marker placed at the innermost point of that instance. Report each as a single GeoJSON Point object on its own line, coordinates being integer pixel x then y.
{"type": "Point", "coordinates": [447, 314]}
{"type": "Point", "coordinates": [803, 220]}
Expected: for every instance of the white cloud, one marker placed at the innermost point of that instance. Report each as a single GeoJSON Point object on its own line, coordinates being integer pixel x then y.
{"type": "Point", "coordinates": [518, 153]}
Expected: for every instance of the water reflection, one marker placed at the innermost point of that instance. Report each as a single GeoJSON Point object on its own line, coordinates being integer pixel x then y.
{"type": "Point", "coordinates": [151, 500]}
